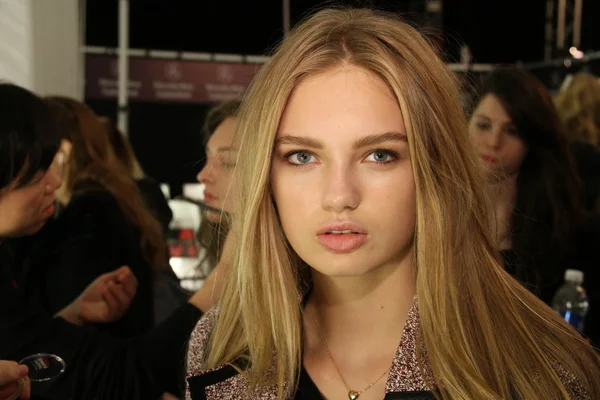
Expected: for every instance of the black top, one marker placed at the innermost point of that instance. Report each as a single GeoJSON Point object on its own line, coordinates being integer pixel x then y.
{"type": "Point", "coordinates": [91, 236]}
{"type": "Point", "coordinates": [99, 366]}
{"type": "Point", "coordinates": [307, 390]}
{"type": "Point", "coordinates": [544, 273]}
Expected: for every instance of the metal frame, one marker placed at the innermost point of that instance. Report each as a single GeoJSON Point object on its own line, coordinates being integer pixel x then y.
{"type": "Point", "coordinates": [563, 26]}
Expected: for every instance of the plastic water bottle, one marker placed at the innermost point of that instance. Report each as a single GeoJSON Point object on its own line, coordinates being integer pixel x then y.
{"type": "Point", "coordinates": [571, 300]}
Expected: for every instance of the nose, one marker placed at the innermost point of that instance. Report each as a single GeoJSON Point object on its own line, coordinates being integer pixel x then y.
{"type": "Point", "coordinates": [341, 189]}
{"type": "Point", "coordinates": [206, 174]}
{"type": "Point", "coordinates": [493, 139]}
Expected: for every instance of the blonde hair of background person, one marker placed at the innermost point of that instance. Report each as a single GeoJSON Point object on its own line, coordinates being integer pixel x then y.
{"type": "Point", "coordinates": [579, 107]}
{"type": "Point", "coordinates": [486, 337]}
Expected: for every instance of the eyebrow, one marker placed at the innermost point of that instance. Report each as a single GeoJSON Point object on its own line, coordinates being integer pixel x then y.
{"type": "Point", "coordinates": [370, 140]}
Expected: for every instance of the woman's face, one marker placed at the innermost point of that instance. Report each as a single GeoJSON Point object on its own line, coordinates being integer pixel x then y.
{"type": "Point", "coordinates": [221, 152]}
{"type": "Point", "coordinates": [500, 147]}
{"type": "Point", "coordinates": [341, 174]}
{"type": "Point", "coordinates": [25, 210]}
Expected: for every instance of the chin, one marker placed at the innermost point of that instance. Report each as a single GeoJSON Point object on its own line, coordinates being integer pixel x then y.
{"type": "Point", "coordinates": [32, 230]}
{"type": "Point", "coordinates": [212, 216]}
{"type": "Point", "coordinates": [345, 265]}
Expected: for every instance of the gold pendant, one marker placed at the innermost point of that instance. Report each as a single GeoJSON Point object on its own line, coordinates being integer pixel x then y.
{"type": "Point", "coordinates": [353, 395]}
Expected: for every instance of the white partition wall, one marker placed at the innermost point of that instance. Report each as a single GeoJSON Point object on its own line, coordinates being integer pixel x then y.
{"type": "Point", "coordinates": [40, 42]}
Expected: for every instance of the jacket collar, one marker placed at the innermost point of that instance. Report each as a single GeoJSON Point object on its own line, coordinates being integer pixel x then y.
{"type": "Point", "coordinates": [226, 383]}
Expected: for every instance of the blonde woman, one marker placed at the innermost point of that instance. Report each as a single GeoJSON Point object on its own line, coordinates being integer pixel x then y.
{"type": "Point", "coordinates": [364, 266]}
{"type": "Point", "coordinates": [578, 104]}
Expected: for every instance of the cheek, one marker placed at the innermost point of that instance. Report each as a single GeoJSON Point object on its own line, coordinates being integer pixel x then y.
{"type": "Point", "coordinates": [515, 152]}
{"type": "Point", "coordinates": [294, 202]}
{"type": "Point", "coordinates": [394, 205]}
{"type": "Point", "coordinates": [224, 190]}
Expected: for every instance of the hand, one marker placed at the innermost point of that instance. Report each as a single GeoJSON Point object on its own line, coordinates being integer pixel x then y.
{"type": "Point", "coordinates": [210, 292]}
{"type": "Point", "coordinates": [104, 300]}
{"type": "Point", "coordinates": [12, 377]}
{"type": "Point", "coordinates": [168, 396]}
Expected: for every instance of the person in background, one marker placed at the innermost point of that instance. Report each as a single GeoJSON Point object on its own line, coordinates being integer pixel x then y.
{"type": "Point", "coordinates": [542, 228]}
{"type": "Point", "coordinates": [29, 141]}
{"type": "Point", "coordinates": [99, 366]}
{"type": "Point", "coordinates": [218, 131]}
{"type": "Point", "coordinates": [364, 264]}
{"type": "Point", "coordinates": [168, 294]}
{"type": "Point", "coordinates": [13, 377]}
{"type": "Point", "coordinates": [102, 223]}
{"type": "Point", "coordinates": [578, 104]}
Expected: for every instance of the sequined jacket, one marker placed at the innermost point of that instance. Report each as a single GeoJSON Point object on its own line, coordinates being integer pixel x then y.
{"type": "Point", "coordinates": [405, 380]}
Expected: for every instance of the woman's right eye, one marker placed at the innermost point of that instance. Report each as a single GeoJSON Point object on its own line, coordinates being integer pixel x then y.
{"type": "Point", "coordinates": [300, 157]}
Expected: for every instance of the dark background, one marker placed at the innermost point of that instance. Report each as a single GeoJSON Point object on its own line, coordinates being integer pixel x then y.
{"type": "Point", "coordinates": [166, 137]}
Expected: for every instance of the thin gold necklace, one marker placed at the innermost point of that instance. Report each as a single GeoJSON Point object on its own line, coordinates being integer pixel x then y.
{"type": "Point", "coordinates": [352, 394]}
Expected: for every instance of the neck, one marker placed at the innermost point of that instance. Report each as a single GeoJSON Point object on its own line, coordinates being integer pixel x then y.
{"type": "Point", "coordinates": [374, 305]}
{"type": "Point", "coordinates": [505, 190]}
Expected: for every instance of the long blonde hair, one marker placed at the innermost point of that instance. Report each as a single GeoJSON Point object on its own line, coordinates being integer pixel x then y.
{"type": "Point", "coordinates": [579, 107]}
{"type": "Point", "coordinates": [487, 336]}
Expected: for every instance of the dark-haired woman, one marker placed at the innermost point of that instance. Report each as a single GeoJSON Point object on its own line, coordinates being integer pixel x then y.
{"type": "Point", "coordinates": [542, 227]}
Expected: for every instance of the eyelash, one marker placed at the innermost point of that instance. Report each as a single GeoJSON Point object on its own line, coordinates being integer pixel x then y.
{"type": "Point", "coordinates": [393, 155]}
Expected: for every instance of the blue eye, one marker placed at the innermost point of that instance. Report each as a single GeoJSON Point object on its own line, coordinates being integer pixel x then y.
{"type": "Point", "coordinates": [300, 157]}
{"type": "Point", "coordinates": [382, 156]}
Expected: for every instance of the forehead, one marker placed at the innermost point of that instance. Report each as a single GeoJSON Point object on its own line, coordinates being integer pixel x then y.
{"type": "Point", "coordinates": [224, 135]}
{"type": "Point", "coordinates": [347, 99]}
{"type": "Point", "coordinates": [491, 107]}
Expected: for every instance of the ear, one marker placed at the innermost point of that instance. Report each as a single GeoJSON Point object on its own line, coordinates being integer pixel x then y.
{"type": "Point", "coordinates": [65, 149]}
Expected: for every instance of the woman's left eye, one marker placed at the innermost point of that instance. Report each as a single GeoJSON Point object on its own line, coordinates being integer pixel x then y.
{"type": "Point", "coordinates": [381, 156]}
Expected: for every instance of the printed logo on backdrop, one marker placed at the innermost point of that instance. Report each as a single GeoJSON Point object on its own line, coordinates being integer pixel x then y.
{"type": "Point", "coordinates": [108, 85]}
{"type": "Point", "coordinates": [224, 74]}
{"type": "Point", "coordinates": [225, 88]}
{"type": "Point", "coordinates": [173, 86]}
{"type": "Point", "coordinates": [173, 71]}
{"type": "Point", "coordinates": [168, 80]}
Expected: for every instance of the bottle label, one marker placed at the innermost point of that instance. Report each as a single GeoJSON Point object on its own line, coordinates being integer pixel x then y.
{"type": "Point", "coordinates": [575, 320]}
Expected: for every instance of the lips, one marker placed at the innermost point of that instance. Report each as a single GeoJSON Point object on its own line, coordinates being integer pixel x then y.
{"type": "Point", "coordinates": [488, 159]}
{"type": "Point", "coordinates": [48, 211]}
{"type": "Point", "coordinates": [342, 237]}
{"type": "Point", "coordinates": [209, 197]}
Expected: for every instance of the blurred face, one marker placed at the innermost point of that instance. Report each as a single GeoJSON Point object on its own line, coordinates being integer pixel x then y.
{"type": "Point", "coordinates": [341, 174]}
{"type": "Point", "coordinates": [218, 170]}
{"type": "Point", "coordinates": [25, 210]}
{"type": "Point", "coordinates": [499, 146]}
